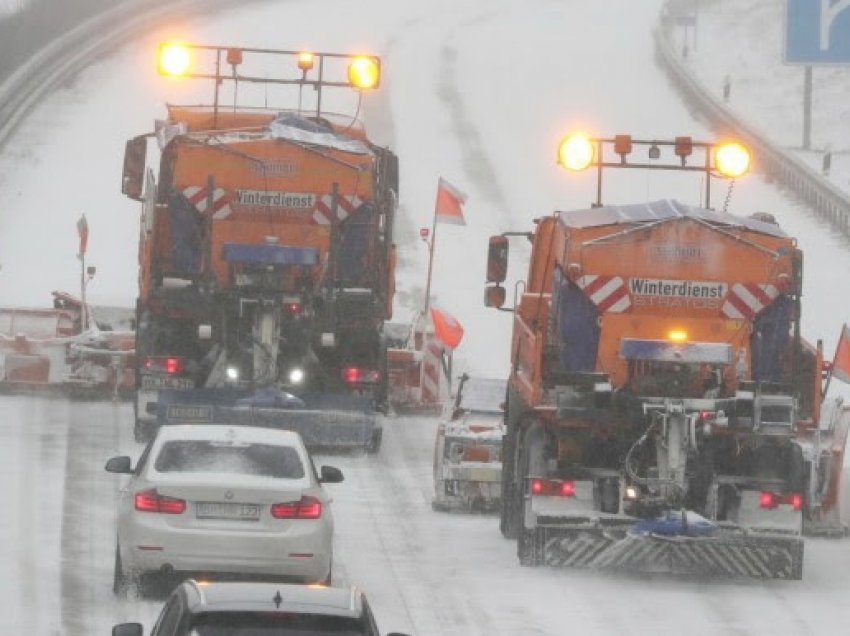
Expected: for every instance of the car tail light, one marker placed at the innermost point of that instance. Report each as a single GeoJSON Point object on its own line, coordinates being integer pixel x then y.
{"type": "Point", "coordinates": [356, 375]}
{"type": "Point", "coordinates": [306, 508]}
{"type": "Point", "coordinates": [292, 308]}
{"type": "Point", "coordinates": [552, 487]}
{"type": "Point", "coordinates": [152, 501]}
{"type": "Point", "coordinates": [164, 364]}
{"type": "Point", "coordinates": [770, 500]}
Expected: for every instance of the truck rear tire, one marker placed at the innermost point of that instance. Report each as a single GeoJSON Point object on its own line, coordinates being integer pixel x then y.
{"type": "Point", "coordinates": [374, 443]}
{"type": "Point", "coordinates": [143, 432]}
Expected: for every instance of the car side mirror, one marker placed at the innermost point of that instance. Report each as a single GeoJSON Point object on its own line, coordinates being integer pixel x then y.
{"type": "Point", "coordinates": [123, 465]}
{"type": "Point", "coordinates": [330, 475]}
{"type": "Point", "coordinates": [127, 629]}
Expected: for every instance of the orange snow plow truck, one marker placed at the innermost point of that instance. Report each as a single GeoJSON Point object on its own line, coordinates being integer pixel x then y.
{"type": "Point", "coordinates": [663, 413]}
{"type": "Point", "coordinates": [266, 254]}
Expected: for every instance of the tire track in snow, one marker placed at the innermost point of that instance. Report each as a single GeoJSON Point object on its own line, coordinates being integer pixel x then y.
{"type": "Point", "coordinates": [88, 513]}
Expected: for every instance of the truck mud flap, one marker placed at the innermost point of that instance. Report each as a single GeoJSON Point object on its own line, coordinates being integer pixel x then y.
{"type": "Point", "coordinates": [736, 555]}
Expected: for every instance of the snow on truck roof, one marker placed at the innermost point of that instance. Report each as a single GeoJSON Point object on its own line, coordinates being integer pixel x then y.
{"type": "Point", "coordinates": [284, 125]}
{"type": "Point", "coordinates": [662, 210]}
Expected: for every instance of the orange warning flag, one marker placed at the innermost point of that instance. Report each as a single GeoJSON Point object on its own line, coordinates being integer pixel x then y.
{"type": "Point", "coordinates": [447, 328]}
{"type": "Point", "coordinates": [83, 231]}
{"type": "Point", "coordinates": [841, 364]}
{"type": "Point", "coordinates": [449, 207]}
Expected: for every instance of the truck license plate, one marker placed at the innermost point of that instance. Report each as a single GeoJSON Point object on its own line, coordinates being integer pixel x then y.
{"type": "Point", "coordinates": [166, 382]}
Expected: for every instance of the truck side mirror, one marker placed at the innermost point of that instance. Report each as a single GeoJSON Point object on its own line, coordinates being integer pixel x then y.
{"type": "Point", "coordinates": [497, 259]}
{"type": "Point", "coordinates": [494, 297]}
{"type": "Point", "coordinates": [133, 179]}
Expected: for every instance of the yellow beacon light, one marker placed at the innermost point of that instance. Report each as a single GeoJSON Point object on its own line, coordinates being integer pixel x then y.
{"type": "Point", "coordinates": [575, 152]}
{"type": "Point", "coordinates": [731, 159]}
{"type": "Point", "coordinates": [305, 60]}
{"type": "Point", "coordinates": [173, 59]}
{"type": "Point", "coordinates": [364, 72]}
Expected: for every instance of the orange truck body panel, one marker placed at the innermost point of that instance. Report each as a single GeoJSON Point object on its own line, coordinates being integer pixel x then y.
{"type": "Point", "coordinates": [692, 269]}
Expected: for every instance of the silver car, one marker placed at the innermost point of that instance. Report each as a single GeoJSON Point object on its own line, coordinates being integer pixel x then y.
{"type": "Point", "coordinates": [218, 499]}
{"type": "Point", "coordinates": [243, 609]}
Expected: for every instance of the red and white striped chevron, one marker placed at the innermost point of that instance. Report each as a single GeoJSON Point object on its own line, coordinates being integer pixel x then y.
{"type": "Point", "coordinates": [346, 205]}
{"type": "Point", "coordinates": [197, 196]}
{"type": "Point", "coordinates": [745, 300]}
{"type": "Point", "coordinates": [432, 371]}
{"type": "Point", "coordinates": [608, 293]}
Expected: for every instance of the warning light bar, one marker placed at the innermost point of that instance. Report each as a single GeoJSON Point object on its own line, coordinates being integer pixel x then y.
{"type": "Point", "coordinates": [729, 160]}
{"type": "Point", "coordinates": [264, 66]}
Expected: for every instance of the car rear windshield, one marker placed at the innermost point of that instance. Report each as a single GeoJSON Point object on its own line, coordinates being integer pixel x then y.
{"type": "Point", "coordinates": [277, 623]}
{"type": "Point", "coordinates": [201, 456]}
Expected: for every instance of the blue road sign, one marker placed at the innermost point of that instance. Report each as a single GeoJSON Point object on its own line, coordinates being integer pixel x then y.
{"type": "Point", "coordinates": [817, 32]}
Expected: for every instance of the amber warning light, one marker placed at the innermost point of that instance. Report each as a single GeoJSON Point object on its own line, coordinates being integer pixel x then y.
{"type": "Point", "coordinates": [174, 59]}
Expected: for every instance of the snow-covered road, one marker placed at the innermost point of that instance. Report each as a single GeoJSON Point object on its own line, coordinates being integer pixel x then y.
{"type": "Point", "coordinates": [477, 92]}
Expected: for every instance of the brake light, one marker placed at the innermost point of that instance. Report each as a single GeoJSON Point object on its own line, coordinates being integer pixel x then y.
{"type": "Point", "coordinates": [306, 508]}
{"type": "Point", "coordinates": [356, 375]}
{"type": "Point", "coordinates": [152, 501]}
{"type": "Point", "coordinates": [771, 500]}
{"type": "Point", "coordinates": [164, 364]}
{"type": "Point", "coordinates": [552, 487]}
{"type": "Point", "coordinates": [293, 308]}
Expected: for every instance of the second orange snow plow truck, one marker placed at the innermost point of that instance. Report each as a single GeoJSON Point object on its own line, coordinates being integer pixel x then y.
{"type": "Point", "coordinates": [663, 413]}
{"type": "Point", "coordinates": [266, 255]}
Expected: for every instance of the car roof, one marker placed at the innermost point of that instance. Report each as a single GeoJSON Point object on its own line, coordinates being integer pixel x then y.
{"type": "Point", "coordinates": [238, 596]}
{"type": "Point", "coordinates": [229, 433]}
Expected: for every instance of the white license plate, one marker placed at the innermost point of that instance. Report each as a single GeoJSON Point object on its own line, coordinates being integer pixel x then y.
{"type": "Point", "coordinates": [166, 382]}
{"type": "Point", "coordinates": [221, 510]}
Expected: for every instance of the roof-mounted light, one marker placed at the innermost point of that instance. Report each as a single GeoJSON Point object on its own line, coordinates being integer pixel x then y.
{"type": "Point", "coordinates": [364, 72]}
{"type": "Point", "coordinates": [731, 159]}
{"type": "Point", "coordinates": [306, 60]}
{"type": "Point", "coordinates": [575, 152]}
{"type": "Point", "coordinates": [173, 59]}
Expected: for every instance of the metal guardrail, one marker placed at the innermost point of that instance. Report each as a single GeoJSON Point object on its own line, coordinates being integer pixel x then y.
{"type": "Point", "coordinates": [830, 202]}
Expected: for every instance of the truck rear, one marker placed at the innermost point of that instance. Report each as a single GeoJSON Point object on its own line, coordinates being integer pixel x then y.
{"type": "Point", "coordinates": [662, 406]}
{"type": "Point", "coordinates": [266, 255]}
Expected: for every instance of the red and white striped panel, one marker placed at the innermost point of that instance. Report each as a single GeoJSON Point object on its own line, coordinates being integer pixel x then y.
{"type": "Point", "coordinates": [608, 293]}
{"type": "Point", "coordinates": [432, 371]}
{"type": "Point", "coordinates": [346, 205]}
{"type": "Point", "coordinates": [745, 300]}
{"type": "Point", "coordinates": [197, 196]}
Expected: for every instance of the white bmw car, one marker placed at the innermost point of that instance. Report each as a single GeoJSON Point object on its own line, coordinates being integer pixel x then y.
{"type": "Point", "coordinates": [218, 499]}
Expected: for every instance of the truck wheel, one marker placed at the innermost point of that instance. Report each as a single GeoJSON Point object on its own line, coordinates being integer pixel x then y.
{"type": "Point", "coordinates": [374, 443]}
{"type": "Point", "coordinates": [142, 432]}
{"type": "Point", "coordinates": [508, 520]}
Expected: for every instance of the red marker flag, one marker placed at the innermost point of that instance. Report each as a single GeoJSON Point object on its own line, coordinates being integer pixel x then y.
{"type": "Point", "coordinates": [841, 364]}
{"type": "Point", "coordinates": [449, 207]}
{"type": "Point", "coordinates": [447, 328]}
{"type": "Point", "coordinates": [83, 231]}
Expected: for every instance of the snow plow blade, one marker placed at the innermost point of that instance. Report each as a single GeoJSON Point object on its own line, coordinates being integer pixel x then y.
{"type": "Point", "coordinates": [733, 554]}
{"type": "Point", "coordinates": [327, 423]}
